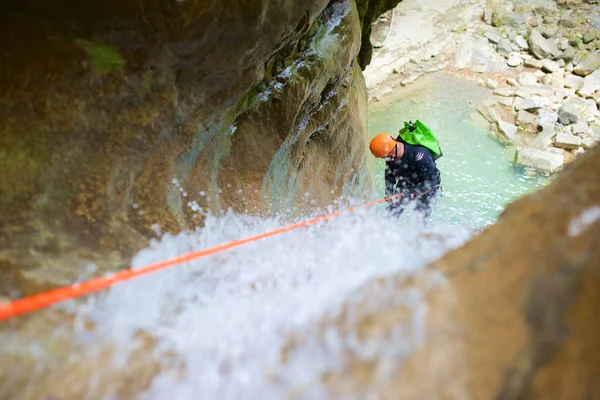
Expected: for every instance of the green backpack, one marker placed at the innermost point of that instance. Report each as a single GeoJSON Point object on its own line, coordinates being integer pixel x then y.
{"type": "Point", "coordinates": [419, 134]}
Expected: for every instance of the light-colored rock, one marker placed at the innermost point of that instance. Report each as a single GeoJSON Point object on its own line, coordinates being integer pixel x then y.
{"type": "Point", "coordinates": [562, 44]}
{"type": "Point", "coordinates": [488, 113]}
{"type": "Point", "coordinates": [525, 117]}
{"type": "Point", "coordinates": [538, 159]}
{"type": "Point", "coordinates": [578, 151]}
{"type": "Point", "coordinates": [534, 90]}
{"type": "Point", "coordinates": [547, 80]}
{"type": "Point", "coordinates": [492, 84]}
{"type": "Point", "coordinates": [504, 47]}
{"type": "Point", "coordinates": [464, 54]}
{"type": "Point", "coordinates": [588, 142]}
{"type": "Point", "coordinates": [532, 63]}
{"type": "Point", "coordinates": [507, 130]}
{"type": "Point", "coordinates": [550, 65]}
{"type": "Point", "coordinates": [512, 82]}
{"type": "Point", "coordinates": [493, 35]}
{"type": "Point", "coordinates": [514, 60]}
{"type": "Point", "coordinates": [569, 113]}
{"type": "Point", "coordinates": [588, 64]}
{"type": "Point", "coordinates": [522, 42]}
{"type": "Point", "coordinates": [505, 92]}
{"type": "Point", "coordinates": [489, 102]}
{"type": "Point", "coordinates": [411, 79]}
{"type": "Point", "coordinates": [579, 128]}
{"type": "Point", "coordinates": [557, 81]}
{"type": "Point", "coordinates": [533, 103]}
{"type": "Point", "coordinates": [527, 78]}
{"type": "Point", "coordinates": [545, 139]}
{"type": "Point", "coordinates": [542, 47]}
{"type": "Point", "coordinates": [574, 81]}
{"type": "Point", "coordinates": [547, 117]}
{"type": "Point", "coordinates": [567, 140]}
{"type": "Point", "coordinates": [518, 103]}
{"type": "Point", "coordinates": [591, 107]}
{"type": "Point", "coordinates": [569, 67]}
{"type": "Point", "coordinates": [506, 101]}
{"type": "Point", "coordinates": [591, 83]}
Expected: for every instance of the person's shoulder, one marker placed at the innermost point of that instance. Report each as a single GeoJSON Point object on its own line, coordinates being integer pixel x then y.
{"type": "Point", "coordinates": [422, 153]}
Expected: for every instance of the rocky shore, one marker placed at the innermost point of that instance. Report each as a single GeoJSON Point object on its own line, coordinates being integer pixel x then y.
{"type": "Point", "coordinates": [540, 59]}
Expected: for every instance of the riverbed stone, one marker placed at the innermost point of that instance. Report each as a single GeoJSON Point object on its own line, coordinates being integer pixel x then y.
{"type": "Point", "coordinates": [492, 84]}
{"type": "Point", "coordinates": [588, 142]}
{"type": "Point", "coordinates": [579, 128]}
{"type": "Point", "coordinates": [534, 90]}
{"type": "Point", "coordinates": [527, 78]}
{"type": "Point", "coordinates": [538, 159]}
{"type": "Point", "coordinates": [588, 64]}
{"type": "Point", "coordinates": [512, 82]}
{"type": "Point", "coordinates": [532, 62]}
{"type": "Point", "coordinates": [493, 35]}
{"type": "Point", "coordinates": [506, 101]}
{"type": "Point", "coordinates": [504, 47]}
{"type": "Point", "coordinates": [569, 114]}
{"type": "Point", "coordinates": [562, 43]}
{"type": "Point", "coordinates": [525, 117]}
{"type": "Point", "coordinates": [550, 65]}
{"type": "Point", "coordinates": [566, 140]}
{"type": "Point", "coordinates": [522, 42]}
{"type": "Point", "coordinates": [574, 81]}
{"type": "Point", "coordinates": [514, 60]}
{"type": "Point", "coordinates": [505, 92]}
{"type": "Point", "coordinates": [591, 84]}
{"type": "Point", "coordinates": [507, 130]}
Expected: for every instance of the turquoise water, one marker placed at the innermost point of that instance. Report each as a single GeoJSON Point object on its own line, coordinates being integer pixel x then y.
{"type": "Point", "coordinates": [478, 175]}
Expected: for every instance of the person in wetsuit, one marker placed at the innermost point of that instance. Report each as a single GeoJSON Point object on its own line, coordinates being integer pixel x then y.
{"type": "Point", "coordinates": [410, 170]}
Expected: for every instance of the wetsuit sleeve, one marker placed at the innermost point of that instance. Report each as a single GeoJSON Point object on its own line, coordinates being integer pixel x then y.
{"type": "Point", "coordinates": [428, 173]}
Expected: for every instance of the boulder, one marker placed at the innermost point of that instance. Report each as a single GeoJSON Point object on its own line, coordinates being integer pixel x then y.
{"type": "Point", "coordinates": [533, 63]}
{"type": "Point", "coordinates": [588, 64]}
{"type": "Point", "coordinates": [569, 114]}
{"type": "Point", "coordinates": [527, 78]}
{"type": "Point", "coordinates": [522, 42]}
{"type": "Point", "coordinates": [538, 159]}
{"type": "Point", "coordinates": [525, 117]}
{"type": "Point", "coordinates": [514, 60]}
{"type": "Point", "coordinates": [591, 84]}
{"type": "Point", "coordinates": [493, 35]}
{"type": "Point", "coordinates": [573, 81]}
{"type": "Point", "coordinates": [504, 47]}
{"type": "Point", "coordinates": [550, 65]}
{"type": "Point", "coordinates": [579, 128]}
{"type": "Point", "coordinates": [507, 130]}
{"type": "Point", "coordinates": [566, 140]}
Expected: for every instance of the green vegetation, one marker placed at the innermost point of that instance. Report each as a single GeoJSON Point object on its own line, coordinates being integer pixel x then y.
{"type": "Point", "coordinates": [104, 58]}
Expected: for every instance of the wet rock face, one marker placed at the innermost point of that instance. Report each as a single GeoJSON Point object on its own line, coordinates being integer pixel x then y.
{"type": "Point", "coordinates": [120, 118]}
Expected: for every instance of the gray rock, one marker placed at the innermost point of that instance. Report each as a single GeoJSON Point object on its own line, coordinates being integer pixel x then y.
{"type": "Point", "coordinates": [527, 78]}
{"type": "Point", "coordinates": [533, 103]}
{"type": "Point", "coordinates": [591, 83]}
{"type": "Point", "coordinates": [521, 42]}
{"type": "Point", "coordinates": [538, 159]}
{"type": "Point", "coordinates": [492, 35]}
{"type": "Point", "coordinates": [573, 81]}
{"type": "Point", "coordinates": [525, 117]}
{"type": "Point", "coordinates": [507, 130]}
{"type": "Point", "coordinates": [550, 65]}
{"type": "Point", "coordinates": [512, 19]}
{"type": "Point", "coordinates": [567, 22]}
{"type": "Point", "coordinates": [579, 128]}
{"type": "Point", "coordinates": [566, 140]}
{"type": "Point", "coordinates": [504, 47]}
{"type": "Point", "coordinates": [514, 60]}
{"type": "Point", "coordinates": [588, 64]}
{"type": "Point", "coordinates": [568, 114]}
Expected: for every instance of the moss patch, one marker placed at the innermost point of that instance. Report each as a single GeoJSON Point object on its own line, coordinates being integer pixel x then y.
{"type": "Point", "coordinates": [104, 58]}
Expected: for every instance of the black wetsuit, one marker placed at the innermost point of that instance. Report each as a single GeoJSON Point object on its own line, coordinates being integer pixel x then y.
{"type": "Point", "coordinates": [412, 174]}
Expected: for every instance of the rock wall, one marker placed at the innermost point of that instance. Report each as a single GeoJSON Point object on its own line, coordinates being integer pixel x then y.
{"type": "Point", "coordinates": [122, 117]}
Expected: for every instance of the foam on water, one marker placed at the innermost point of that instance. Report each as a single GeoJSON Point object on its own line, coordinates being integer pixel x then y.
{"type": "Point", "coordinates": [226, 316]}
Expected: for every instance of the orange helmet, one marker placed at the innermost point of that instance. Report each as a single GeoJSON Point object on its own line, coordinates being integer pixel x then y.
{"type": "Point", "coordinates": [382, 144]}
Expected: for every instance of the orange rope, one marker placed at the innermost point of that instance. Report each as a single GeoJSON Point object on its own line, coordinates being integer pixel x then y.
{"type": "Point", "coordinates": [45, 299]}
